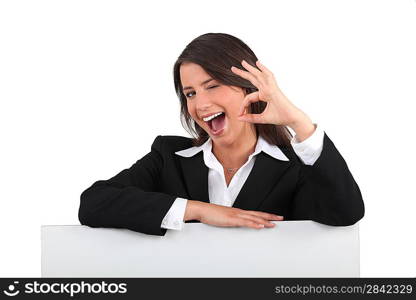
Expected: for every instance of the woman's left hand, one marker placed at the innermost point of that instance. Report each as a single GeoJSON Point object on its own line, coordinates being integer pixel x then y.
{"type": "Point", "coordinates": [279, 110]}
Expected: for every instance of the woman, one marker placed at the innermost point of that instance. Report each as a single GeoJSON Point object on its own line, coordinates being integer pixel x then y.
{"type": "Point", "coordinates": [243, 168]}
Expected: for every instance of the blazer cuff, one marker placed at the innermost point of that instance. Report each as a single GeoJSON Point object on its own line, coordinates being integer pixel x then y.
{"type": "Point", "coordinates": [310, 149]}
{"type": "Point", "coordinates": [174, 217]}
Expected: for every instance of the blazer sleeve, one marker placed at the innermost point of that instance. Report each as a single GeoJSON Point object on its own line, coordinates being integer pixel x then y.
{"type": "Point", "coordinates": [129, 199]}
{"type": "Point", "coordinates": [326, 191]}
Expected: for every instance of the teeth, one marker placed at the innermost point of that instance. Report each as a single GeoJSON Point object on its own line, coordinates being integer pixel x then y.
{"type": "Point", "coordinates": [211, 117]}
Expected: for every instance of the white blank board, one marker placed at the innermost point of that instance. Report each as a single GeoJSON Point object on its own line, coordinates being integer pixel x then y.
{"type": "Point", "coordinates": [290, 249]}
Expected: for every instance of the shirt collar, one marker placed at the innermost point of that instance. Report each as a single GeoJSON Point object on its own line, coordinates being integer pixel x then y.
{"type": "Point", "coordinates": [262, 145]}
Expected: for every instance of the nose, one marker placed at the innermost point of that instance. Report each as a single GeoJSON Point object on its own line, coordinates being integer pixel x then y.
{"type": "Point", "coordinates": [203, 104]}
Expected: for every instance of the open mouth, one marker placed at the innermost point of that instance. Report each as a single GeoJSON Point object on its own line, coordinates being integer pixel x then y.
{"type": "Point", "coordinates": [217, 124]}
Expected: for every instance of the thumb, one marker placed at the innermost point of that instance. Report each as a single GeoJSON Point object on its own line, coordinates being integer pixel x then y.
{"type": "Point", "coordinates": [251, 118]}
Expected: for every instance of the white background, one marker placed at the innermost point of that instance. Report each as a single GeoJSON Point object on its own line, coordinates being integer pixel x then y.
{"type": "Point", "coordinates": [86, 86]}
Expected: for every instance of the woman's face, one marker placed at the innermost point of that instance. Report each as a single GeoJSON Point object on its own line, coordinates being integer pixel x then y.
{"type": "Point", "coordinates": [206, 97]}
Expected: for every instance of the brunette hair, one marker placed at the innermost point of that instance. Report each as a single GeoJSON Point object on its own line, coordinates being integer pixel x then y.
{"type": "Point", "coordinates": [216, 53]}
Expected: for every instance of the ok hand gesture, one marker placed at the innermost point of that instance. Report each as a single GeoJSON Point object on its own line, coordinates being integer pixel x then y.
{"type": "Point", "coordinates": [279, 110]}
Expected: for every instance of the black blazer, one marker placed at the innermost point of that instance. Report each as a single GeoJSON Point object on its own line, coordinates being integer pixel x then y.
{"type": "Point", "coordinates": [138, 198]}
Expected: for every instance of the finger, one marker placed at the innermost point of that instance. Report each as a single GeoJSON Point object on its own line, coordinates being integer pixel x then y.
{"type": "Point", "coordinates": [252, 118]}
{"type": "Point", "coordinates": [265, 221]}
{"type": "Point", "coordinates": [257, 220]}
{"type": "Point", "coordinates": [265, 215]}
{"type": "Point", "coordinates": [249, 223]}
{"type": "Point", "coordinates": [256, 72]}
{"type": "Point", "coordinates": [262, 77]}
{"type": "Point", "coordinates": [248, 99]}
{"type": "Point", "coordinates": [264, 69]}
{"type": "Point", "coordinates": [246, 75]}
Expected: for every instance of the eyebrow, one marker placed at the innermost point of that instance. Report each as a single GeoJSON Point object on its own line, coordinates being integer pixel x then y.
{"type": "Point", "coordinates": [202, 83]}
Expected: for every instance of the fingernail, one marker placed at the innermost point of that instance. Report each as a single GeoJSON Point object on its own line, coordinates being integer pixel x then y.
{"type": "Point", "coordinates": [261, 225]}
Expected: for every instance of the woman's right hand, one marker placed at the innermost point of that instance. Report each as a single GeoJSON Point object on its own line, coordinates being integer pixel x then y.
{"type": "Point", "coordinates": [224, 216]}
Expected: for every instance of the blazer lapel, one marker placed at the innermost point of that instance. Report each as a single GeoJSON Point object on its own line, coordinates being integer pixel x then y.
{"type": "Point", "coordinates": [263, 177]}
{"type": "Point", "coordinates": [195, 174]}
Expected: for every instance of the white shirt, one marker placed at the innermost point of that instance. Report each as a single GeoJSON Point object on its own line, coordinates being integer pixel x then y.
{"type": "Point", "coordinates": [308, 151]}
